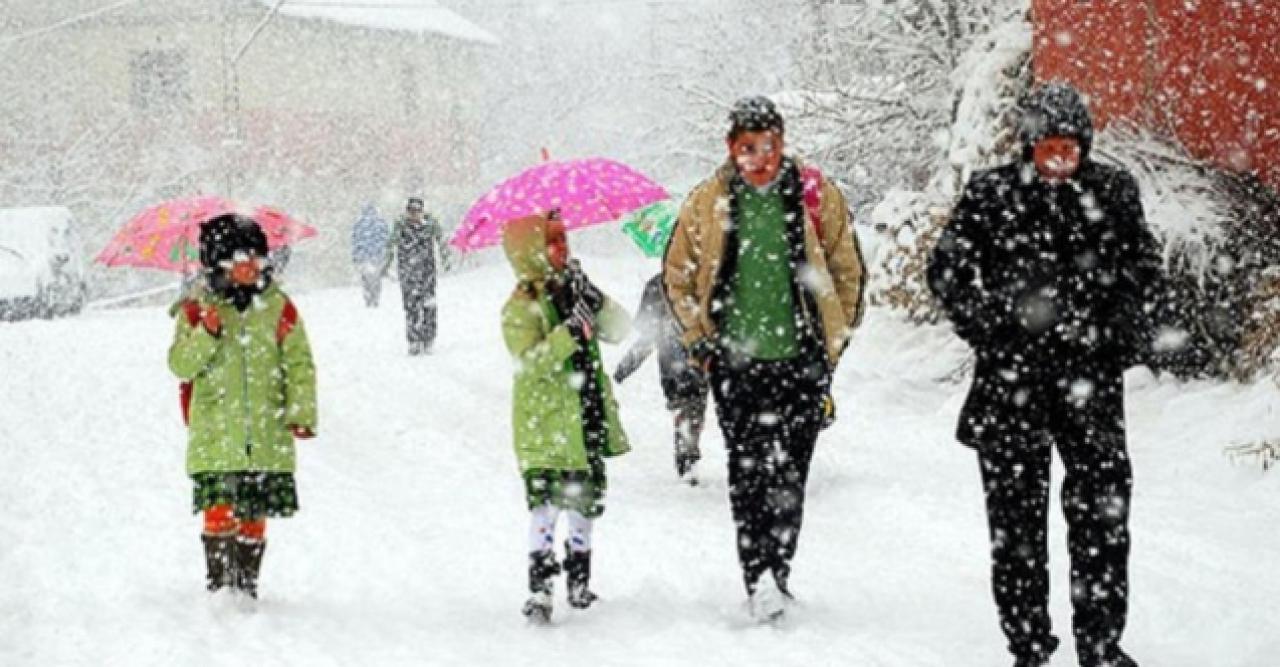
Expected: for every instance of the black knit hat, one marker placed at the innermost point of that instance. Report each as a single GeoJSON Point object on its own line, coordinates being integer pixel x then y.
{"type": "Point", "coordinates": [222, 236]}
{"type": "Point", "coordinates": [754, 114]}
{"type": "Point", "coordinates": [1055, 110]}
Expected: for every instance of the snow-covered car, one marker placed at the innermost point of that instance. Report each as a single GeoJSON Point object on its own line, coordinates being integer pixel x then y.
{"type": "Point", "coordinates": [41, 268]}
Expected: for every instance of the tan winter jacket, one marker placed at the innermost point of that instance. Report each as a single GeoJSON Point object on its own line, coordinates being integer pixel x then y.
{"type": "Point", "coordinates": [834, 273]}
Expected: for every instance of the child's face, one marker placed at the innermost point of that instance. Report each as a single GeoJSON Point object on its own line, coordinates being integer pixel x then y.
{"type": "Point", "coordinates": [557, 245]}
{"type": "Point", "coordinates": [244, 268]}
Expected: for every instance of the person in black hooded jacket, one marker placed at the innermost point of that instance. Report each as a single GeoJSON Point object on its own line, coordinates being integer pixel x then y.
{"type": "Point", "coordinates": [1048, 271]}
{"type": "Point", "coordinates": [684, 384]}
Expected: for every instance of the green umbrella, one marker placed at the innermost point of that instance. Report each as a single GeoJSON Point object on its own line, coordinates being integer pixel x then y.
{"type": "Point", "coordinates": [651, 226]}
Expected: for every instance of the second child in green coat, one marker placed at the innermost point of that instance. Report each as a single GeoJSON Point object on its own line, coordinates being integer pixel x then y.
{"type": "Point", "coordinates": [564, 416]}
{"type": "Point", "coordinates": [249, 390]}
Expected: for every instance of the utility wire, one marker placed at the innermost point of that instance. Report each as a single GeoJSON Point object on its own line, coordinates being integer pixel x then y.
{"type": "Point", "coordinates": [66, 22]}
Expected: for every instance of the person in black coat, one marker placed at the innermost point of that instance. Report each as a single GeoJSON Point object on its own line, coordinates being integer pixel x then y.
{"type": "Point", "coordinates": [1048, 271]}
{"type": "Point", "coordinates": [414, 243]}
{"type": "Point", "coordinates": [684, 385]}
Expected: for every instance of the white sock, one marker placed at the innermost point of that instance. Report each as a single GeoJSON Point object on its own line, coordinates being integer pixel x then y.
{"type": "Point", "coordinates": [542, 528]}
{"type": "Point", "coordinates": [579, 532]}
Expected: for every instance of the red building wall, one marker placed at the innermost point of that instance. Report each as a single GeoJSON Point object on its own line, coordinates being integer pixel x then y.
{"type": "Point", "coordinates": [1205, 71]}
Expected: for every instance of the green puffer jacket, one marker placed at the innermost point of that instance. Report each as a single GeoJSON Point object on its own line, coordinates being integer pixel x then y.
{"type": "Point", "coordinates": [248, 388]}
{"type": "Point", "coordinates": [546, 407]}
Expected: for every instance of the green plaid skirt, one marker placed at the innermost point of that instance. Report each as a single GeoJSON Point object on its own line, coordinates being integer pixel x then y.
{"type": "Point", "coordinates": [254, 495]}
{"type": "Point", "coordinates": [579, 490]}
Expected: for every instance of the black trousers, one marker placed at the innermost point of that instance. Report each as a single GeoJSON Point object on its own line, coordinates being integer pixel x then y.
{"type": "Point", "coordinates": [689, 415]}
{"type": "Point", "coordinates": [770, 414]}
{"type": "Point", "coordinates": [419, 297]}
{"type": "Point", "coordinates": [1095, 499]}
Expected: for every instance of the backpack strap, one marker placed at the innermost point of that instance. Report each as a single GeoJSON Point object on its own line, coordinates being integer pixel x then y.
{"type": "Point", "coordinates": [191, 309]}
{"type": "Point", "coordinates": [288, 319]}
{"type": "Point", "coordinates": [812, 179]}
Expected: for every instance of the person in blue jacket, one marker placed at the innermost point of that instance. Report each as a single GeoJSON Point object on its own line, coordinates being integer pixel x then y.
{"type": "Point", "coordinates": [369, 237]}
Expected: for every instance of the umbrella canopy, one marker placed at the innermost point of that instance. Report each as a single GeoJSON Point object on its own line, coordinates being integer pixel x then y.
{"type": "Point", "coordinates": [166, 236]}
{"type": "Point", "coordinates": [586, 192]}
{"type": "Point", "coordinates": [651, 226]}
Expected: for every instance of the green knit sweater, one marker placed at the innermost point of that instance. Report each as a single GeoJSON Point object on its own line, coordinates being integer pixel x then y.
{"type": "Point", "coordinates": [760, 320]}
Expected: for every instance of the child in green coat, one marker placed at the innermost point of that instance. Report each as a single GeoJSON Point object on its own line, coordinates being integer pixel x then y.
{"type": "Point", "coordinates": [249, 390]}
{"type": "Point", "coordinates": [564, 416]}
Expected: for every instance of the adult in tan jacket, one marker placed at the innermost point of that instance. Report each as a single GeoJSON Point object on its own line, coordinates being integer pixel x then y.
{"type": "Point", "coordinates": [764, 276]}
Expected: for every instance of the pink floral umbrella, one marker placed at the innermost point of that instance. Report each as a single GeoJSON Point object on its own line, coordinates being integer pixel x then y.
{"type": "Point", "coordinates": [167, 236]}
{"type": "Point", "coordinates": [586, 192]}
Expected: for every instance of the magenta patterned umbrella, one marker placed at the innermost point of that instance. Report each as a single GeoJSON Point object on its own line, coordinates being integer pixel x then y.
{"type": "Point", "coordinates": [586, 192]}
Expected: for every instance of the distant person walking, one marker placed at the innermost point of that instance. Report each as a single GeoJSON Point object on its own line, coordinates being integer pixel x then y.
{"type": "Point", "coordinates": [414, 242]}
{"type": "Point", "coordinates": [369, 236]}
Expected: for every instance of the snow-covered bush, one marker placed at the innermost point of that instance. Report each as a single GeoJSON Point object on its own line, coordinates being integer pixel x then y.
{"type": "Point", "coordinates": [878, 91]}
{"type": "Point", "coordinates": [986, 84]}
{"type": "Point", "coordinates": [905, 226]}
{"type": "Point", "coordinates": [1220, 232]}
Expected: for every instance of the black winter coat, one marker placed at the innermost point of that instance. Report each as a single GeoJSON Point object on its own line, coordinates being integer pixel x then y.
{"type": "Point", "coordinates": [1052, 286]}
{"type": "Point", "coordinates": [414, 246]}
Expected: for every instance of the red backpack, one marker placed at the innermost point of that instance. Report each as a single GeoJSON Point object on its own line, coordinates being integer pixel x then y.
{"type": "Point", "coordinates": [191, 309]}
{"type": "Point", "coordinates": [812, 179]}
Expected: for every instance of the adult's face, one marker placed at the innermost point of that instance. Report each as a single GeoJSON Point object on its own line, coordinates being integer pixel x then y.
{"type": "Point", "coordinates": [1057, 158]}
{"type": "Point", "coordinates": [414, 213]}
{"type": "Point", "coordinates": [758, 156]}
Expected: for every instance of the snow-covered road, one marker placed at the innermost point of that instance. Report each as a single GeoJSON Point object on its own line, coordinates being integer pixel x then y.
{"type": "Point", "coordinates": [410, 547]}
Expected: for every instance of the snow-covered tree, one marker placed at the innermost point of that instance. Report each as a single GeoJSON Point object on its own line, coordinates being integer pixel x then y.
{"type": "Point", "coordinates": [878, 95]}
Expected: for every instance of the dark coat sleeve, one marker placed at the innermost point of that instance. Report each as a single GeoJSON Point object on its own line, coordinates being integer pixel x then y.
{"type": "Point", "coordinates": [650, 316]}
{"type": "Point", "coordinates": [1142, 285]}
{"type": "Point", "coordinates": [955, 268]}
{"type": "Point", "coordinates": [647, 322]}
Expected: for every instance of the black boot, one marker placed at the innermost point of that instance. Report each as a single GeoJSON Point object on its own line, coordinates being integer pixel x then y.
{"type": "Point", "coordinates": [577, 569]}
{"type": "Point", "coordinates": [1037, 653]}
{"type": "Point", "coordinates": [249, 560]}
{"type": "Point", "coordinates": [219, 560]}
{"type": "Point", "coordinates": [686, 466]}
{"type": "Point", "coordinates": [782, 575]}
{"type": "Point", "coordinates": [542, 568]}
{"type": "Point", "coordinates": [1114, 658]}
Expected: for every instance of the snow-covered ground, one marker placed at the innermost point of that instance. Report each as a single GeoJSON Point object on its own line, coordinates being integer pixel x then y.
{"type": "Point", "coordinates": [410, 547]}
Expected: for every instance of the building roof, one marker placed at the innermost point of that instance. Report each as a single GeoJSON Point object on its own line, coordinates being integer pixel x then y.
{"type": "Point", "coordinates": [416, 16]}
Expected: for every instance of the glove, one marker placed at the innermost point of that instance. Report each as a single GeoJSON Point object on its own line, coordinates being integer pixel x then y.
{"type": "Point", "coordinates": [581, 323]}
{"type": "Point", "coordinates": [561, 293]}
{"type": "Point", "coordinates": [702, 355]}
{"type": "Point", "coordinates": [626, 367]}
{"type": "Point", "coordinates": [583, 289]}
{"type": "Point", "coordinates": [301, 432]}
{"type": "Point", "coordinates": [828, 411]}
{"type": "Point", "coordinates": [211, 321]}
